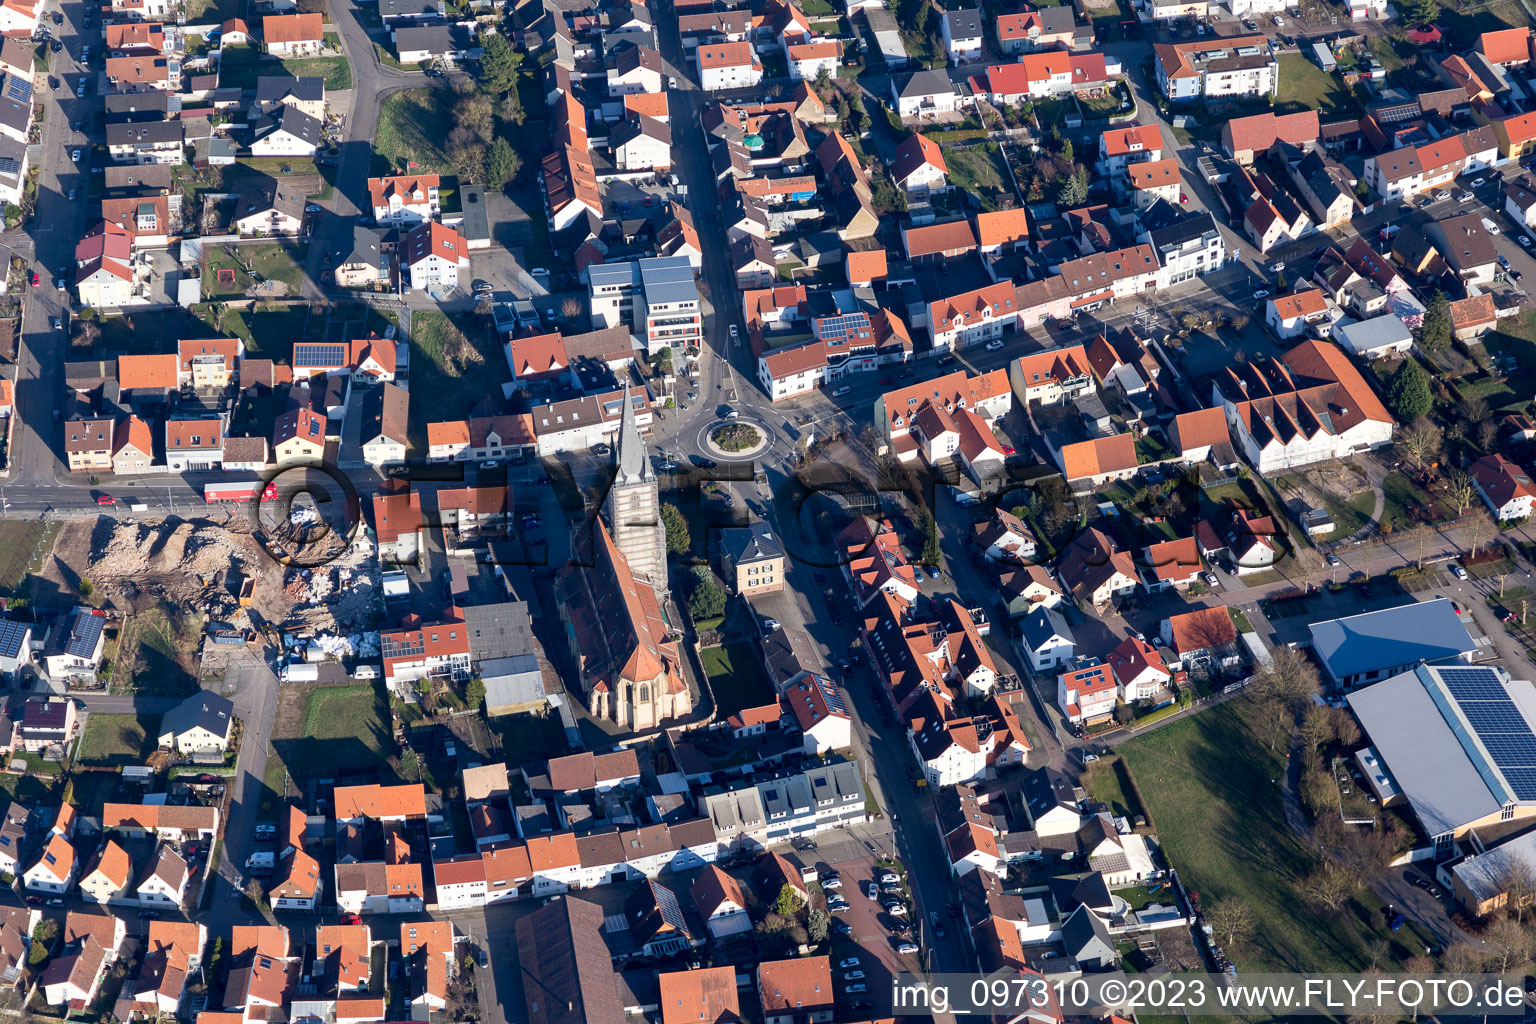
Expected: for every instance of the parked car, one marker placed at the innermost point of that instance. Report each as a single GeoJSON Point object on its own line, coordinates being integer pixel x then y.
{"type": "Point", "coordinates": [853, 975]}
{"type": "Point", "coordinates": [105, 499]}
{"type": "Point", "coordinates": [907, 947]}
{"type": "Point", "coordinates": [872, 891]}
{"type": "Point", "coordinates": [832, 883]}
{"type": "Point", "coordinates": [1458, 572]}
{"type": "Point", "coordinates": [852, 961]}
{"type": "Point", "coordinates": [1261, 293]}
{"type": "Point", "coordinates": [993, 346]}
{"type": "Point", "coordinates": [1333, 559]}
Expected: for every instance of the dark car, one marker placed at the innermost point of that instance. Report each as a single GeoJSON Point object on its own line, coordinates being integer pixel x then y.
{"type": "Point", "coordinates": [703, 462]}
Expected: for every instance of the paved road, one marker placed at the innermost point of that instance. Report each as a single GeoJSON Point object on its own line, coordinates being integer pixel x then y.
{"type": "Point", "coordinates": [250, 684]}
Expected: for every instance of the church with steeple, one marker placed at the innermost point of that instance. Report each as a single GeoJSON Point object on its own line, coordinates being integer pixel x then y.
{"type": "Point", "coordinates": [633, 507]}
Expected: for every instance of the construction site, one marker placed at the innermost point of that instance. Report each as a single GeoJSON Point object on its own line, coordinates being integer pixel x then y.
{"type": "Point", "coordinates": [217, 571]}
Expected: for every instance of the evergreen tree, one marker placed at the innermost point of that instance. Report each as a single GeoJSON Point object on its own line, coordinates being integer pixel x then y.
{"type": "Point", "coordinates": [1436, 332]}
{"type": "Point", "coordinates": [498, 63]}
{"type": "Point", "coordinates": [501, 163]}
{"type": "Point", "coordinates": [1408, 391]}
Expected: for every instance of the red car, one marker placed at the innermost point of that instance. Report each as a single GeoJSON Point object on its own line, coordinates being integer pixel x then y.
{"type": "Point", "coordinates": [105, 499]}
{"type": "Point", "coordinates": [1008, 449]}
{"type": "Point", "coordinates": [350, 918]}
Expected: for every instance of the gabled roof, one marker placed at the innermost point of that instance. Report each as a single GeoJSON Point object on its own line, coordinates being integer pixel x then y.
{"type": "Point", "coordinates": [1202, 629]}
{"type": "Point", "coordinates": [917, 151]}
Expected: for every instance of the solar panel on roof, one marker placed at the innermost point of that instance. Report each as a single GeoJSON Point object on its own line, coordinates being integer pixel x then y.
{"type": "Point", "coordinates": [18, 90]}
{"type": "Point", "coordinates": [320, 354]}
{"type": "Point", "coordinates": [1500, 727]}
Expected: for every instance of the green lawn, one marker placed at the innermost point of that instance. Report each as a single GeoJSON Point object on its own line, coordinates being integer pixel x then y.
{"type": "Point", "coordinates": [458, 361]}
{"type": "Point", "coordinates": [1210, 785]}
{"type": "Point", "coordinates": [118, 739]}
{"type": "Point", "coordinates": [1108, 784]}
{"type": "Point", "coordinates": [242, 65]}
{"type": "Point", "coordinates": [414, 126]}
{"type": "Point", "coordinates": [277, 261]}
{"type": "Point", "coordinates": [735, 677]}
{"type": "Point", "coordinates": [322, 731]}
{"type": "Point", "coordinates": [979, 170]}
{"type": "Point", "coordinates": [269, 333]}
{"type": "Point", "coordinates": [1304, 85]}
{"type": "Point", "coordinates": [18, 540]}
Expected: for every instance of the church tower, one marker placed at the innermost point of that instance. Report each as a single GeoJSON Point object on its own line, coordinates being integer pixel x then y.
{"type": "Point", "coordinates": [633, 507]}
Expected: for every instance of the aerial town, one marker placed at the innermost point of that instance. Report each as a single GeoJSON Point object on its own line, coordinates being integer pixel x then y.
{"type": "Point", "coordinates": [713, 511]}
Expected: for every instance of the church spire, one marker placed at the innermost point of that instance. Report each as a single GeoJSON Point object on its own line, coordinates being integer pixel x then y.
{"type": "Point", "coordinates": [631, 463]}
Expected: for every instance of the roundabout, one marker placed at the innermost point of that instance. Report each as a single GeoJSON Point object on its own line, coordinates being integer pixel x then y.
{"type": "Point", "coordinates": [734, 440]}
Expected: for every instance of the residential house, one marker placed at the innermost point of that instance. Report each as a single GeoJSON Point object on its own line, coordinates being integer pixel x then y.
{"type": "Point", "coordinates": [923, 94]}
{"type": "Point", "coordinates": [404, 200]}
{"type": "Point", "coordinates": [1205, 635]}
{"type": "Point", "coordinates": [796, 991]}
{"type": "Point", "coordinates": [298, 437]}
{"type": "Point", "coordinates": [1303, 312]}
{"type": "Point", "coordinates": [727, 66]}
{"type": "Point", "coordinates": [433, 256]}
{"type": "Point", "coordinates": [751, 559]}
{"type": "Point", "coordinates": [203, 722]}
{"type": "Point", "coordinates": [1505, 487]}
{"type": "Point", "coordinates": [133, 447]}
{"type": "Point", "coordinates": [384, 413]}
{"type": "Point", "coordinates": [961, 29]}
{"type": "Point", "coordinates": [1139, 671]}
{"type": "Point", "coordinates": [1234, 66]}
{"type": "Point", "coordinates": [306, 93]}
{"type": "Point", "coordinates": [194, 445]}
{"type": "Point", "coordinates": [918, 167]}
{"type": "Point", "coordinates": [272, 210]}
{"type": "Point", "coordinates": [1047, 639]}
{"type": "Point", "coordinates": [293, 35]}
{"type": "Point", "coordinates": [54, 870]}
{"type": "Point", "coordinates": [1086, 693]}
{"type": "Point", "coordinates": [287, 132]}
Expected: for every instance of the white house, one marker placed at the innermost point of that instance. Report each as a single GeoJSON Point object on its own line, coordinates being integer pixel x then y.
{"type": "Point", "coordinates": [203, 722]}
{"type": "Point", "coordinates": [1504, 487]}
{"type": "Point", "coordinates": [1047, 639]}
{"type": "Point", "coordinates": [1087, 692]}
{"type": "Point", "coordinates": [288, 131]}
{"type": "Point", "coordinates": [1139, 670]}
{"type": "Point", "coordinates": [720, 902]}
{"type": "Point", "coordinates": [821, 712]}
{"type": "Point", "coordinates": [809, 60]}
{"type": "Point", "coordinates": [923, 94]}
{"type": "Point", "coordinates": [1291, 316]}
{"type": "Point", "coordinates": [54, 870]}
{"type": "Point", "coordinates": [165, 883]}
{"type": "Point", "coordinates": [404, 199]}
{"type": "Point", "coordinates": [728, 66]}
{"type": "Point", "coordinates": [962, 34]}
{"type": "Point", "coordinates": [433, 256]}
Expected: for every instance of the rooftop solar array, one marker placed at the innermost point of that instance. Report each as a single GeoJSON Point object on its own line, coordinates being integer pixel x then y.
{"type": "Point", "coordinates": [832, 695]}
{"type": "Point", "coordinates": [394, 647]}
{"type": "Point", "coordinates": [320, 354]}
{"type": "Point", "coordinates": [82, 640]}
{"type": "Point", "coordinates": [1502, 730]}
{"type": "Point", "coordinates": [18, 89]}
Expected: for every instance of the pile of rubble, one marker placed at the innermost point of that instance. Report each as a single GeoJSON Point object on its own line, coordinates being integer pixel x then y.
{"type": "Point", "coordinates": [174, 548]}
{"type": "Point", "coordinates": [335, 598]}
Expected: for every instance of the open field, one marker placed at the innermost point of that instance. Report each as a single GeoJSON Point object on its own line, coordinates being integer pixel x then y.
{"type": "Point", "coordinates": [1219, 818]}
{"type": "Point", "coordinates": [242, 65]}
{"type": "Point", "coordinates": [118, 739]}
{"type": "Point", "coordinates": [268, 333]}
{"type": "Point", "coordinates": [1305, 85]}
{"type": "Point", "coordinates": [456, 361]}
{"type": "Point", "coordinates": [980, 170]}
{"type": "Point", "coordinates": [18, 541]}
{"type": "Point", "coordinates": [413, 126]}
{"type": "Point", "coordinates": [325, 731]}
{"type": "Point", "coordinates": [735, 678]}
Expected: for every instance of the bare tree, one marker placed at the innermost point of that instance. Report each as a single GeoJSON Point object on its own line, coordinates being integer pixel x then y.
{"type": "Point", "coordinates": [1231, 922]}
{"type": "Point", "coordinates": [1306, 565]}
{"type": "Point", "coordinates": [1377, 952]}
{"type": "Point", "coordinates": [1288, 676]}
{"type": "Point", "coordinates": [1421, 441]}
{"type": "Point", "coordinates": [1345, 732]}
{"type": "Point", "coordinates": [1463, 958]}
{"type": "Point", "coordinates": [1331, 885]}
{"type": "Point", "coordinates": [1518, 880]}
{"type": "Point", "coordinates": [1480, 530]}
{"type": "Point", "coordinates": [1316, 726]}
{"type": "Point", "coordinates": [1510, 945]}
{"type": "Point", "coordinates": [1459, 490]}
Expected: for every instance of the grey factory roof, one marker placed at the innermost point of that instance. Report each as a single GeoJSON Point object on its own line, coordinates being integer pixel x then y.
{"type": "Point", "coordinates": [1428, 631]}
{"type": "Point", "coordinates": [1366, 335]}
{"type": "Point", "coordinates": [1438, 760]}
{"type": "Point", "coordinates": [501, 643]}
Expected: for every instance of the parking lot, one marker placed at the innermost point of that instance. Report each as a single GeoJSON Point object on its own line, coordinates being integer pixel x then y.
{"type": "Point", "coordinates": [874, 934]}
